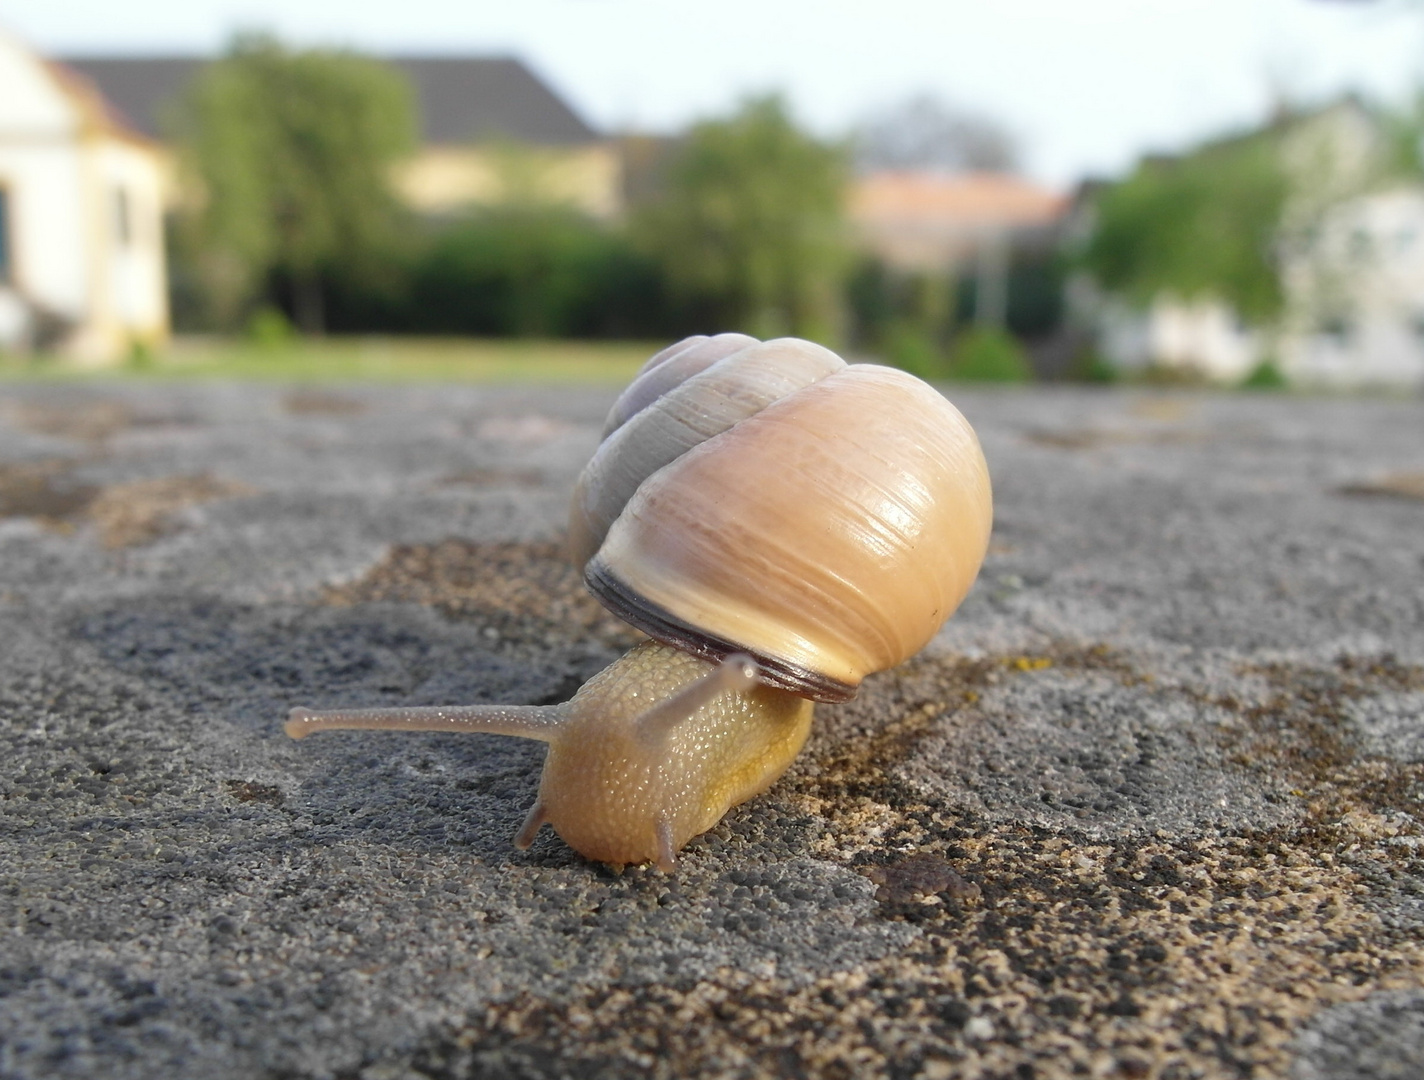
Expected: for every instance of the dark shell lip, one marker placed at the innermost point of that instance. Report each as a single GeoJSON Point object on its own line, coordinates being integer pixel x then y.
{"type": "Point", "coordinates": [662, 625]}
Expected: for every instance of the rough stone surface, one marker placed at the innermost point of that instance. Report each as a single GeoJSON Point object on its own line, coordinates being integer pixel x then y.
{"type": "Point", "coordinates": [1148, 807]}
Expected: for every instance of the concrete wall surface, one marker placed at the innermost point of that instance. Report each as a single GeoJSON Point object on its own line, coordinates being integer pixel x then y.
{"type": "Point", "coordinates": [1149, 806]}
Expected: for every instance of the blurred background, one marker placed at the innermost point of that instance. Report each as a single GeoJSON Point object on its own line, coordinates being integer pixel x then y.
{"type": "Point", "coordinates": [1208, 192]}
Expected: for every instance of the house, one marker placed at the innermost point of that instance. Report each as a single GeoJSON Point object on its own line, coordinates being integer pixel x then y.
{"type": "Point", "coordinates": [1355, 283]}
{"type": "Point", "coordinates": [81, 217]}
{"type": "Point", "coordinates": [1349, 257]}
{"type": "Point", "coordinates": [936, 222]}
{"type": "Point", "coordinates": [490, 130]}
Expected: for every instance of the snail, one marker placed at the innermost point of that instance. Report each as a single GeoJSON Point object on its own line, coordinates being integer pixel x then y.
{"type": "Point", "coordinates": [780, 524]}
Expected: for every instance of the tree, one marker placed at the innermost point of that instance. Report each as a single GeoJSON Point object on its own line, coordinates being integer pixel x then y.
{"type": "Point", "coordinates": [291, 152]}
{"type": "Point", "coordinates": [1203, 225]}
{"type": "Point", "coordinates": [750, 222]}
{"type": "Point", "coordinates": [535, 271]}
{"type": "Point", "coordinates": [923, 133]}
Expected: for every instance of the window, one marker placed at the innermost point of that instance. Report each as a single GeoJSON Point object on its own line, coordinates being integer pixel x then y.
{"type": "Point", "coordinates": [7, 270]}
{"type": "Point", "coordinates": [1362, 244]}
{"type": "Point", "coordinates": [123, 217]}
{"type": "Point", "coordinates": [1416, 324]}
{"type": "Point", "coordinates": [1338, 328]}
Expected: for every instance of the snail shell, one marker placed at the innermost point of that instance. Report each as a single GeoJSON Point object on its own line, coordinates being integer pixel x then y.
{"type": "Point", "coordinates": [771, 500]}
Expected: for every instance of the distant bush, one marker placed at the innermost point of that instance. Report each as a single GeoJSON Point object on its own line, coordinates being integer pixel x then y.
{"type": "Point", "coordinates": [535, 272]}
{"type": "Point", "coordinates": [1091, 366]}
{"type": "Point", "coordinates": [1184, 376]}
{"type": "Point", "coordinates": [1034, 296]}
{"type": "Point", "coordinates": [268, 328]}
{"type": "Point", "coordinates": [140, 356]}
{"type": "Point", "coordinates": [1265, 376]}
{"type": "Point", "coordinates": [987, 354]}
{"type": "Point", "coordinates": [909, 348]}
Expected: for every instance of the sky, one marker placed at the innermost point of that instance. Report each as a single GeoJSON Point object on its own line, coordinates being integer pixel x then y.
{"type": "Point", "coordinates": [1086, 86]}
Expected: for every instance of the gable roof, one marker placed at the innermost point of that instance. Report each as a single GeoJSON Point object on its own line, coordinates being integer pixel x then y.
{"type": "Point", "coordinates": [460, 99]}
{"type": "Point", "coordinates": [47, 99]}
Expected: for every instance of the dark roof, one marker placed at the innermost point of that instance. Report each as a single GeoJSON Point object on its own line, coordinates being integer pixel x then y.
{"type": "Point", "coordinates": [463, 99]}
{"type": "Point", "coordinates": [460, 98]}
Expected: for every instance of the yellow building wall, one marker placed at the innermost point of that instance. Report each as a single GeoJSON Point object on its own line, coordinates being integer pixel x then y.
{"type": "Point", "coordinates": [448, 179]}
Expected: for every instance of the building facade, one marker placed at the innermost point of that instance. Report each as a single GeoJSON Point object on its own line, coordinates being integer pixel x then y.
{"type": "Point", "coordinates": [1349, 253]}
{"type": "Point", "coordinates": [81, 217]}
{"type": "Point", "coordinates": [490, 130]}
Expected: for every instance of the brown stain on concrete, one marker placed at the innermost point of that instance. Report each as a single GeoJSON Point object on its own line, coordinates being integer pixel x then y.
{"type": "Point", "coordinates": [1302, 729]}
{"type": "Point", "coordinates": [1099, 438]}
{"type": "Point", "coordinates": [492, 477]}
{"type": "Point", "coordinates": [313, 402]}
{"type": "Point", "coordinates": [920, 878]}
{"type": "Point", "coordinates": [516, 591]}
{"type": "Point", "coordinates": [140, 511]}
{"type": "Point", "coordinates": [125, 515]}
{"type": "Point", "coordinates": [93, 420]}
{"type": "Point", "coordinates": [1401, 485]}
{"type": "Point", "coordinates": [1042, 955]}
{"type": "Point", "coordinates": [248, 791]}
{"type": "Point", "coordinates": [45, 491]}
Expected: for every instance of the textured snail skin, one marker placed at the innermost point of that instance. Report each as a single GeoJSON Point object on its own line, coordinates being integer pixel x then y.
{"type": "Point", "coordinates": [607, 788]}
{"type": "Point", "coordinates": [782, 525]}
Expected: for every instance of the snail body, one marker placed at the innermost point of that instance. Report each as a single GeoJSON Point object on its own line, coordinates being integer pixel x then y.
{"type": "Point", "coordinates": [782, 525]}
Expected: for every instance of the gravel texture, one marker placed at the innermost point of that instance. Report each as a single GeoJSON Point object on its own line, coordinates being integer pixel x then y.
{"type": "Point", "coordinates": [1148, 807]}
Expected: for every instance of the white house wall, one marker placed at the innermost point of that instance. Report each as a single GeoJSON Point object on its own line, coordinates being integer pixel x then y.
{"type": "Point", "coordinates": [45, 189]}
{"type": "Point", "coordinates": [1356, 295]}
{"type": "Point", "coordinates": [41, 175]}
{"type": "Point", "coordinates": [130, 269]}
{"type": "Point", "coordinates": [1351, 270]}
{"type": "Point", "coordinates": [31, 104]}
{"type": "Point", "coordinates": [63, 163]}
{"type": "Point", "coordinates": [1201, 335]}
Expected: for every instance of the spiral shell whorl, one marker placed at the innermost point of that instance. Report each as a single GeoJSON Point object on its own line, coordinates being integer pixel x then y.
{"type": "Point", "coordinates": [706, 401]}
{"type": "Point", "coordinates": [827, 519]}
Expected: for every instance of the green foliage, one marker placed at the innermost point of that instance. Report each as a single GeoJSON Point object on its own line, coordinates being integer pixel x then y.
{"type": "Point", "coordinates": [268, 328]}
{"type": "Point", "coordinates": [292, 152]}
{"type": "Point", "coordinates": [1034, 306]}
{"type": "Point", "coordinates": [1266, 375]}
{"type": "Point", "coordinates": [531, 271]}
{"type": "Point", "coordinates": [872, 303]}
{"type": "Point", "coordinates": [909, 317]}
{"type": "Point", "coordinates": [140, 357]}
{"type": "Point", "coordinates": [904, 317]}
{"type": "Point", "coordinates": [909, 348]}
{"type": "Point", "coordinates": [750, 221]}
{"type": "Point", "coordinates": [988, 354]}
{"type": "Point", "coordinates": [1172, 376]}
{"type": "Point", "coordinates": [1091, 366]}
{"type": "Point", "coordinates": [1203, 225]}
{"type": "Point", "coordinates": [1404, 130]}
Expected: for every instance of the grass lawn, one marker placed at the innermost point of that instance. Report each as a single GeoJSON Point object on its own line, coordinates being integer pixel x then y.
{"type": "Point", "coordinates": [336, 359]}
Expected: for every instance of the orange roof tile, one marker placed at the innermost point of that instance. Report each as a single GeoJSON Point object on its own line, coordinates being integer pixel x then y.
{"type": "Point", "coordinates": [961, 199]}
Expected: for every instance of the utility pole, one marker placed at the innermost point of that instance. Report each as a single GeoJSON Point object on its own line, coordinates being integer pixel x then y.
{"type": "Point", "coordinates": [991, 292]}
